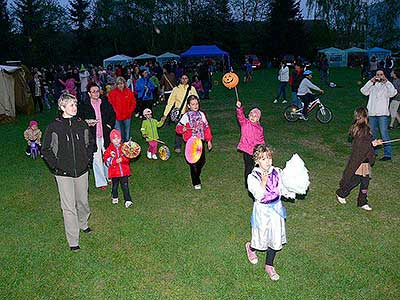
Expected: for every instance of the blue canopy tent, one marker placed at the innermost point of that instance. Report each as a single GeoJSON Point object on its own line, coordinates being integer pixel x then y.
{"type": "Point", "coordinates": [167, 56]}
{"type": "Point", "coordinates": [207, 51]}
{"type": "Point", "coordinates": [355, 56]}
{"type": "Point", "coordinates": [145, 56]}
{"type": "Point", "coordinates": [379, 53]}
{"type": "Point", "coordinates": [336, 57]}
{"type": "Point", "coordinates": [117, 59]}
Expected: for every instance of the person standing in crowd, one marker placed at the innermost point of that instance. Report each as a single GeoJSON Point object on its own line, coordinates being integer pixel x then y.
{"type": "Point", "coordinates": [144, 88]}
{"type": "Point", "coordinates": [177, 100]}
{"type": "Point", "coordinates": [124, 103]}
{"type": "Point", "coordinates": [37, 90]}
{"type": "Point", "coordinates": [295, 78]}
{"type": "Point", "coordinates": [373, 66]}
{"type": "Point", "coordinates": [84, 76]}
{"type": "Point", "coordinates": [395, 102]}
{"type": "Point", "coordinates": [68, 150]}
{"type": "Point", "coordinates": [283, 78]}
{"type": "Point", "coordinates": [379, 91]}
{"type": "Point", "coordinates": [323, 67]}
{"type": "Point", "coordinates": [100, 117]}
{"type": "Point", "coordinates": [389, 65]}
{"type": "Point", "coordinates": [167, 82]}
{"type": "Point", "coordinates": [204, 76]}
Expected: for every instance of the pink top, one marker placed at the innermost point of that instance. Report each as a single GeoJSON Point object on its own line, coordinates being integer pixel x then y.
{"type": "Point", "coordinates": [198, 86]}
{"type": "Point", "coordinates": [99, 126]}
{"type": "Point", "coordinates": [252, 134]}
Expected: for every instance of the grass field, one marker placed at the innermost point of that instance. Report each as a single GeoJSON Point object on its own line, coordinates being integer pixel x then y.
{"type": "Point", "coordinates": [177, 243]}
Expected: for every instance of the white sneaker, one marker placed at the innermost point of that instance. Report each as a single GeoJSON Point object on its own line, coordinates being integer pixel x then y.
{"type": "Point", "coordinates": [154, 156]}
{"type": "Point", "coordinates": [366, 207]}
{"type": "Point", "coordinates": [341, 200]}
{"type": "Point", "coordinates": [128, 203]}
{"type": "Point", "coordinates": [114, 200]}
{"type": "Point", "coordinates": [284, 101]}
{"type": "Point", "coordinates": [302, 117]}
{"type": "Point", "coordinates": [275, 101]}
{"type": "Point", "coordinates": [197, 187]}
{"type": "Point", "coordinates": [148, 155]}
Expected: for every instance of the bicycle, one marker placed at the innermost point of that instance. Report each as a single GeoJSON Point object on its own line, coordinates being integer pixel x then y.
{"type": "Point", "coordinates": [324, 115]}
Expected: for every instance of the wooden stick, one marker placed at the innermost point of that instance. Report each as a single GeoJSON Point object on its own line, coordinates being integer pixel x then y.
{"type": "Point", "coordinates": [237, 94]}
{"type": "Point", "coordinates": [161, 142]}
{"type": "Point", "coordinates": [391, 141]}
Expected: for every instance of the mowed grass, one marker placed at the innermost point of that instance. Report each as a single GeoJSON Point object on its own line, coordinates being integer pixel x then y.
{"type": "Point", "coordinates": [177, 243]}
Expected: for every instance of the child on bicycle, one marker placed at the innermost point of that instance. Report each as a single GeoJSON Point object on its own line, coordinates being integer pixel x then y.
{"type": "Point", "coordinates": [32, 134]}
{"type": "Point", "coordinates": [305, 94]}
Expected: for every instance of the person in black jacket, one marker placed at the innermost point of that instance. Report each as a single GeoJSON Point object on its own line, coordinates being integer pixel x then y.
{"type": "Point", "coordinates": [100, 116]}
{"type": "Point", "coordinates": [68, 150]}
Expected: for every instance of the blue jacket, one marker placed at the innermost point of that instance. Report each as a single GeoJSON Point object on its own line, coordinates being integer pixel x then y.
{"type": "Point", "coordinates": [140, 89]}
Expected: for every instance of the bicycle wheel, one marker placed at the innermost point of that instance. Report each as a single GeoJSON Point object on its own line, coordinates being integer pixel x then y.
{"type": "Point", "coordinates": [324, 114]}
{"type": "Point", "coordinates": [290, 113]}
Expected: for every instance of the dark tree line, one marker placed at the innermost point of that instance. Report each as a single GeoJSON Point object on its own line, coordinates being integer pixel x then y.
{"type": "Point", "coordinates": [42, 32]}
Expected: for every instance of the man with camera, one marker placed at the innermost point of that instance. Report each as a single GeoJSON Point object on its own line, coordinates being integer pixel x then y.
{"type": "Point", "coordinates": [379, 91]}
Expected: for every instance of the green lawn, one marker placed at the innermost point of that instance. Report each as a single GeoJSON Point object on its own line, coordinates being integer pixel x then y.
{"type": "Point", "coordinates": [177, 243]}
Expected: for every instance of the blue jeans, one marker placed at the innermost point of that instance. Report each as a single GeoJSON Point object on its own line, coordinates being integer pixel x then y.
{"type": "Point", "coordinates": [282, 90]}
{"type": "Point", "coordinates": [381, 123]}
{"type": "Point", "coordinates": [124, 126]}
{"type": "Point", "coordinates": [296, 100]}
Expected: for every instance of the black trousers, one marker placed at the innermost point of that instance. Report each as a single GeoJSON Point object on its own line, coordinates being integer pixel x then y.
{"type": "Point", "coordinates": [271, 253]}
{"type": "Point", "coordinates": [307, 99]}
{"type": "Point", "coordinates": [355, 180]}
{"type": "Point", "coordinates": [37, 101]}
{"type": "Point", "coordinates": [248, 166]}
{"type": "Point", "coordinates": [124, 185]}
{"type": "Point", "coordinates": [195, 169]}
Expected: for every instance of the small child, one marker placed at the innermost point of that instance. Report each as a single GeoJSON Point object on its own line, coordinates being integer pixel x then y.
{"type": "Point", "coordinates": [118, 168]}
{"type": "Point", "coordinates": [251, 135]}
{"type": "Point", "coordinates": [150, 133]}
{"type": "Point", "coordinates": [196, 82]}
{"type": "Point", "coordinates": [358, 168]}
{"type": "Point", "coordinates": [194, 123]}
{"type": "Point", "coordinates": [32, 134]}
{"type": "Point", "coordinates": [268, 231]}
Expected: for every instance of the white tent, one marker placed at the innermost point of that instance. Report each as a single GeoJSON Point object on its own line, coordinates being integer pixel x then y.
{"type": "Point", "coordinates": [336, 57]}
{"type": "Point", "coordinates": [7, 90]}
{"type": "Point", "coordinates": [167, 56]}
{"type": "Point", "coordinates": [145, 56]}
{"type": "Point", "coordinates": [117, 59]}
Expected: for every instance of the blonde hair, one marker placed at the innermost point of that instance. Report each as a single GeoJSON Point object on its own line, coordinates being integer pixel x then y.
{"type": "Point", "coordinates": [65, 98]}
{"type": "Point", "coordinates": [259, 151]}
{"type": "Point", "coordinates": [118, 80]}
{"type": "Point", "coordinates": [360, 126]}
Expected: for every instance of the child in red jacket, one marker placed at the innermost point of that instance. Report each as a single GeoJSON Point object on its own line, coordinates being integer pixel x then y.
{"type": "Point", "coordinates": [118, 168]}
{"type": "Point", "coordinates": [194, 123]}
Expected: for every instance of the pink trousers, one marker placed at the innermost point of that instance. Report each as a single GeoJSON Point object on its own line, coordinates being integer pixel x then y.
{"type": "Point", "coordinates": [153, 147]}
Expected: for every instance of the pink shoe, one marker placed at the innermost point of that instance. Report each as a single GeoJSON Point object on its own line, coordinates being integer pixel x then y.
{"type": "Point", "coordinates": [251, 255]}
{"type": "Point", "coordinates": [271, 273]}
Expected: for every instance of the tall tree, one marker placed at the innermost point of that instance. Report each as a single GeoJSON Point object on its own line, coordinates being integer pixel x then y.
{"type": "Point", "coordinates": [79, 14]}
{"type": "Point", "coordinates": [285, 29]}
{"type": "Point", "coordinates": [5, 31]}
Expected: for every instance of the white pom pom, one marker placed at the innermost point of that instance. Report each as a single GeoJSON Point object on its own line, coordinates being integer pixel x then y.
{"type": "Point", "coordinates": [295, 175]}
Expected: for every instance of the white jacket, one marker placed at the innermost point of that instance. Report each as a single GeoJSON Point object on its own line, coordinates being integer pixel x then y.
{"type": "Point", "coordinates": [379, 96]}
{"type": "Point", "coordinates": [283, 75]}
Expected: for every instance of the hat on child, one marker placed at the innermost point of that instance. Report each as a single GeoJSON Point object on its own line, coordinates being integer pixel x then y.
{"type": "Point", "coordinates": [256, 112]}
{"type": "Point", "coordinates": [115, 133]}
{"type": "Point", "coordinates": [33, 123]}
{"type": "Point", "coordinates": [82, 68]}
{"type": "Point", "coordinates": [147, 111]}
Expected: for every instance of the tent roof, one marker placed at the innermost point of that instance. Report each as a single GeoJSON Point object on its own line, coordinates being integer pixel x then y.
{"type": "Point", "coordinates": [145, 56]}
{"type": "Point", "coordinates": [118, 57]}
{"type": "Point", "coordinates": [9, 69]}
{"type": "Point", "coordinates": [355, 49]}
{"type": "Point", "coordinates": [204, 50]}
{"type": "Point", "coordinates": [378, 49]}
{"type": "Point", "coordinates": [331, 50]}
{"type": "Point", "coordinates": [168, 55]}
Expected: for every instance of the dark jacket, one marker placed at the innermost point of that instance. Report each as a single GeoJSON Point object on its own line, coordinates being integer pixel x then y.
{"type": "Point", "coordinates": [361, 151]}
{"type": "Point", "coordinates": [68, 147]}
{"type": "Point", "coordinates": [86, 111]}
{"type": "Point", "coordinates": [295, 79]}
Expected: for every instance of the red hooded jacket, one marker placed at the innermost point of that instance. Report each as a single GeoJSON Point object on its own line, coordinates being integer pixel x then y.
{"type": "Point", "coordinates": [123, 103]}
{"type": "Point", "coordinates": [116, 169]}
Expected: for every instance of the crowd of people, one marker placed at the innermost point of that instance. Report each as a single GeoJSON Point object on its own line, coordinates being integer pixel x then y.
{"type": "Point", "coordinates": [95, 121]}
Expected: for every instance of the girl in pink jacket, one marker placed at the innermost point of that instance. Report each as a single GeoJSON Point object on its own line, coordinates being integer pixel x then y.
{"type": "Point", "coordinates": [251, 135]}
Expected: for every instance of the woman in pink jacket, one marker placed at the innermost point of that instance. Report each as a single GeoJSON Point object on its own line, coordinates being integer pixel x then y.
{"type": "Point", "coordinates": [251, 135]}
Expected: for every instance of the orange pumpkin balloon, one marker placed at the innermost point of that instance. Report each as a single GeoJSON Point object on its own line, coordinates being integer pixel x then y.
{"type": "Point", "coordinates": [230, 80]}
